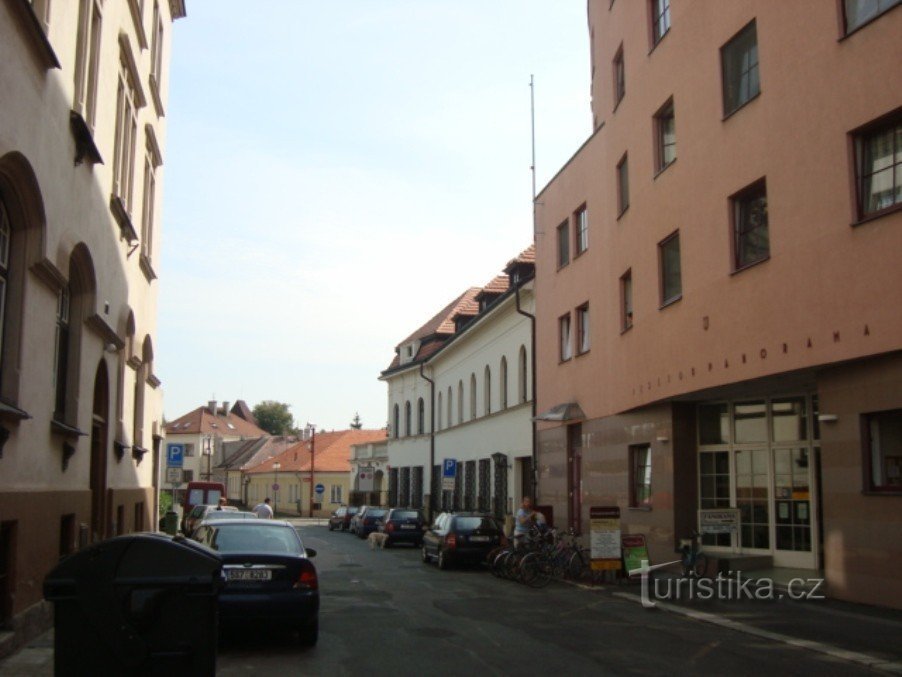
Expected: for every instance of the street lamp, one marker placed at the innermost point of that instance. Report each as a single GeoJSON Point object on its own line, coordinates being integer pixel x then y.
{"type": "Point", "coordinates": [311, 428]}
{"type": "Point", "coordinates": [208, 452]}
{"type": "Point", "coordinates": [275, 487]}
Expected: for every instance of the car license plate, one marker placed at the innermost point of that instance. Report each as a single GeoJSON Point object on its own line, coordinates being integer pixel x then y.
{"type": "Point", "coordinates": [250, 575]}
{"type": "Point", "coordinates": [408, 526]}
{"type": "Point", "coordinates": [479, 539]}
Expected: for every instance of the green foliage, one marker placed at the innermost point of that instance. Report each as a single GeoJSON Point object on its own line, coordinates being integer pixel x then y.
{"type": "Point", "coordinates": [274, 417]}
{"type": "Point", "coordinates": [165, 502]}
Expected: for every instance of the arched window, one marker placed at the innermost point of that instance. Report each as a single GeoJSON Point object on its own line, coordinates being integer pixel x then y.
{"type": "Point", "coordinates": [472, 396]}
{"type": "Point", "coordinates": [487, 390]}
{"type": "Point", "coordinates": [144, 372]}
{"type": "Point", "coordinates": [522, 376]}
{"type": "Point", "coordinates": [407, 418]}
{"type": "Point", "coordinates": [460, 401]}
{"type": "Point", "coordinates": [421, 416]}
{"type": "Point", "coordinates": [439, 423]}
{"type": "Point", "coordinates": [75, 303]}
{"type": "Point", "coordinates": [61, 358]}
{"type": "Point", "coordinates": [396, 422]}
{"type": "Point", "coordinates": [450, 420]}
{"type": "Point", "coordinates": [503, 382]}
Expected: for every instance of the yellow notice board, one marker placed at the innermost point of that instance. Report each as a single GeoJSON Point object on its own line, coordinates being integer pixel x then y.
{"type": "Point", "coordinates": [604, 525]}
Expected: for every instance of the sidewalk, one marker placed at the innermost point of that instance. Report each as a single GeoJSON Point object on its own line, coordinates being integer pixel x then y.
{"type": "Point", "coordinates": [33, 660]}
{"type": "Point", "coordinates": [866, 635]}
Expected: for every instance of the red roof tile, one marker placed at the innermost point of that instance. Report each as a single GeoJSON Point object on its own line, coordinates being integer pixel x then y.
{"type": "Point", "coordinates": [332, 452]}
{"type": "Point", "coordinates": [202, 422]}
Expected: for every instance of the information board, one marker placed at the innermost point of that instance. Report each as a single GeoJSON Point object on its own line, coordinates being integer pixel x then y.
{"type": "Point", "coordinates": [604, 537]}
{"type": "Point", "coordinates": [635, 552]}
{"type": "Point", "coordinates": [718, 521]}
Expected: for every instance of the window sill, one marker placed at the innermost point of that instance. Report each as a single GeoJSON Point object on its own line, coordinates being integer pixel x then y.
{"type": "Point", "coordinates": [580, 253]}
{"type": "Point", "coordinates": [69, 431]}
{"type": "Point", "coordinates": [660, 40]}
{"type": "Point", "coordinates": [625, 329]}
{"type": "Point", "coordinates": [670, 302]}
{"type": "Point", "coordinates": [583, 352]}
{"type": "Point", "coordinates": [147, 268]}
{"type": "Point", "coordinates": [84, 140]}
{"type": "Point", "coordinates": [564, 360]}
{"type": "Point", "coordinates": [664, 169]}
{"type": "Point", "coordinates": [873, 216]}
{"type": "Point", "coordinates": [736, 271]}
{"type": "Point", "coordinates": [34, 33]}
{"type": "Point", "coordinates": [622, 212]}
{"type": "Point", "coordinates": [139, 24]}
{"type": "Point", "coordinates": [617, 104]}
{"type": "Point", "coordinates": [120, 213]}
{"type": "Point", "coordinates": [10, 412]}
{"type": "Point", "coordinates": [562, 266]}
{"type": "Point", "coordinates": [155, 95]}
{"type": "Point", "coordinates": [727, 116]}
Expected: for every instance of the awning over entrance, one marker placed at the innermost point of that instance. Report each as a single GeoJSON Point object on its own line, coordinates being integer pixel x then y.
{"type": "Point", "coordinates": [570, 411]}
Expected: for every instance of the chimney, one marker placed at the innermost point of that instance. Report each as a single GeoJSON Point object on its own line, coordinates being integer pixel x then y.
{"type": "Point", "coordinates": [211, 406]}
{"type": "Point", "coordinates": [225, 407]}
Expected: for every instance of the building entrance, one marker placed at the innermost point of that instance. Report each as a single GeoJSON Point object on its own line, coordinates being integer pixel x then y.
{"type": "Point", "coordinates": [759, 456]}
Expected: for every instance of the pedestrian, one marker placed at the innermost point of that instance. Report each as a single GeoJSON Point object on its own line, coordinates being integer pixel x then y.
{"type": "Point", "coordinates": [264, 510]}
{"type": "Point", "coordinates": [222, 503]}
{"type": "Point", "coordinates": [523, 521]}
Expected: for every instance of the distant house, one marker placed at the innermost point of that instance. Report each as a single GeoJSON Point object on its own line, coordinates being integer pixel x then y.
{"type": "Point", "coordinates": [204, 431]}
{"type": "Point", "coordinates": [243, 455]}
{"type": "Point", "coordinates": [322, 460]}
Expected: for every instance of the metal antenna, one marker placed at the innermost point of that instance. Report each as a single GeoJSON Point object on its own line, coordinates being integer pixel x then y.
{"type": "Point", "coordinates": [532, 168]}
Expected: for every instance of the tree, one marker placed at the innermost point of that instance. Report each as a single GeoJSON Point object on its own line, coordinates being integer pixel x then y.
{"type": "Point", "coordinates": [356, 423]}
{"type": "Point", "coordinates": [274, 417]}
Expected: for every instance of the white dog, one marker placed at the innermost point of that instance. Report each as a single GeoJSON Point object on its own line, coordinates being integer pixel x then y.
{"type": "Point", "coordinates": [375, 538]}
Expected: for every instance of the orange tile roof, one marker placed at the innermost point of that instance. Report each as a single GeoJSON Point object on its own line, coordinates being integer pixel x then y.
{"type": "Point", "coordinates": [498, 285]}
{"type": "Point", "coordinates": [201, 422]}
{"type": "Point", "coordinates": [528, 255]}
{"type": "Point", "coordinates": [332, 452]}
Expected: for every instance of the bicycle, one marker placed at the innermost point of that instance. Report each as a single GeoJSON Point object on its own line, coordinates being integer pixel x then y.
{"type": "Point", "coordinates": [693, 560]}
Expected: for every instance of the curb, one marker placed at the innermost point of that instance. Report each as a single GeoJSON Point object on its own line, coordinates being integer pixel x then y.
{"type": "Point", "coordinates": [867, 660]}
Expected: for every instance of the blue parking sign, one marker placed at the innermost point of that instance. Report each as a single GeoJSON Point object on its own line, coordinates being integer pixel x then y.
{"type": "Point", "coordinates": [175, 455]}
{"type": "Point", "coordinates": [450, 468]}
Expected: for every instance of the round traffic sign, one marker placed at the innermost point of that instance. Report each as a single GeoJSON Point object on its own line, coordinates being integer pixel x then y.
{"type": "Point", "coordinates": [275, 486]}
{"type": "Point", "coordinates": [319, 488]}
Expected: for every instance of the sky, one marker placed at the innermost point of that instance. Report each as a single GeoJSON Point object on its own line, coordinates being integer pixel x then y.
{"type": "Point", "coordinates": [337, 171]}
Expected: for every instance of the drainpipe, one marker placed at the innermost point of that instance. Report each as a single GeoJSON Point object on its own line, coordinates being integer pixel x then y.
{"type": "Point", "coordinates": [431, 437]}
{"type": "Point", "coordinates": [532, 338]}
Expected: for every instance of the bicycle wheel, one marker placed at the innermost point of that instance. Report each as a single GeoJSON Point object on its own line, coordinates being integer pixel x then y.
{"type": "Point", "coordinates": [700, 567]}
{"type": "Point", "coordinates": [535, 570]}
{"type": "Point", "coordinates": [578, 565]}
{"type": "Point", "coordinates": [497, 563]}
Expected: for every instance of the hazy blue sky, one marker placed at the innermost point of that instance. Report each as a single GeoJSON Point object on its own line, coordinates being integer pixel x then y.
{"type": "Point", "coordinates": [336, 171]}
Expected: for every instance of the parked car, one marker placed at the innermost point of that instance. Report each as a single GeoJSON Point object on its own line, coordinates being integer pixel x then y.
{"type": "Point", "coordinates": [464, 537]}
{"type": "Point", "coordinates": [269, 576]}
{"type": "Point", "coordinates": [199, 513]}
{"type": "Point", "coordinates": [225, 514]}
{"type": "Point", "coordinates": [403, 525]}
{"type": "Point", "coordinates": [365, 521]}
{"type": "Point", "coordinates": [341, 517]}
{"type": "Point", "coordinates": [352, 523]}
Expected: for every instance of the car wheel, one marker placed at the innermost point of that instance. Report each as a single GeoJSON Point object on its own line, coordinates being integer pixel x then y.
{"type": "Point", "coordinates": [308, 634]}
{"type": "Point", "coordinates": [331, 528]}
{"type": "Point", "coordinates": [443, 562]}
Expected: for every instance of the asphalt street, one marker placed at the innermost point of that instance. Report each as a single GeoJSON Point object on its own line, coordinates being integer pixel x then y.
{"type": "Point", "coordinates": [387, 613]}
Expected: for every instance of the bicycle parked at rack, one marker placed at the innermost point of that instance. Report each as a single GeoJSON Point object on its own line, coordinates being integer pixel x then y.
{"type": "Point", "coordinates": [692, 559]}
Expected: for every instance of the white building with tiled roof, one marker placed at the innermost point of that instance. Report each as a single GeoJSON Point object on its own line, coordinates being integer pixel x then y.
{"type": "Point", "coordinates": [460, 390]}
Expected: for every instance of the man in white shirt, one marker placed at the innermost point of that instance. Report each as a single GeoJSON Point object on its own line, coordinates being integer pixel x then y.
{"type": "Point", "coordinates": [263, 510]}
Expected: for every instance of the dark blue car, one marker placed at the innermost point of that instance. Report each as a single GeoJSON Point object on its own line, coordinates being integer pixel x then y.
{"type": "Point", "coordinates": [403, 525]}
{"type": "Point", "coordinates": [269, 575]}
{"type": "Point", "coordinates": [365, 522]}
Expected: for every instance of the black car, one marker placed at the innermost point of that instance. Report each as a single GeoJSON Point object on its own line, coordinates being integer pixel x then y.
{"type": "Point", "coordinates": [341, 517]}
{"type": "Point", "coordinates": [403, 525]}
{"type": "Point", "coordinates": [365, 522]}
{"type": "Point", "coordinates": [464, 537]}
{"type": "Point", "coordinates": [269, 575]}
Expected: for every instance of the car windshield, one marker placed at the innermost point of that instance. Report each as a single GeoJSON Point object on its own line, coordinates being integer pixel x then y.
{"type": "Point", "coordinates": [473, 523]}
{"type": "Point", "coordinates": [256, 538]}
{"type": "Point", "coordinates": [405, 515]}
{"type": "Point", "coordinates": [352, 511]}
{"type": "Point", "coordinates": [228, 514]}
{"type": "Point", "coordinates": [376, 513]}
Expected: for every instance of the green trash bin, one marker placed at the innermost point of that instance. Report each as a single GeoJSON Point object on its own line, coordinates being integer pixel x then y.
{"type": "Point", "coordinates": [171, 523]}
{"type": "Point", "coordinates": [142, 604]}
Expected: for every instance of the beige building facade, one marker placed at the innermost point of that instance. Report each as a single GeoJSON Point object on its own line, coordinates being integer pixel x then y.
{"type": "Point", "coordinates": [717, 288]}
{"type": "Point", "coordinates": [82, 133]}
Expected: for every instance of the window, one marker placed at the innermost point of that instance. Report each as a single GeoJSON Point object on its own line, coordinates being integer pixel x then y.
{"type": "Point", "coordinates": [439, 411]}
{"type": "Point", "coordinates": [487, 390]}
{"type": "Point", "coordinates": [126, 132]}
{"type": "Point", "coordinates": [521, 380]}
{"type": "Point", "coordinates": [882, 434]}
{"type": "Point", "coordinates": [859, 12]}
{"type": "Point", "coordinates": [660, 19]}
{"type": "Point", "coordinates": [450, 420]}
{"type": "Point", "coordinates": [472, 396]}
{"type": "Point", "coordinates": [583, 342]}
{"type": "Point", "coordinates": [189, 449]}
{"type": "Point", "coordinates": [460, 401]}
{"type": "Point", "coordinates": [151, 162]}
{"type": "Point", "coordinates": [751, 242]}
{"type": "Point", "coordinates": [563, 244]}
{"type": "Point", "coordinates": [878, 160]}
{"type": "Point", "coordinates": [739, 60]}
{"type": "Point", "coordinates": [407, 417]}
{"type": "Point", "coordinates": [640, 475]}
{"type": "Point", "coordinates": [67, 535]}
{"type": "Point", "coordinates": [619, 77]}
{"type": "Point", "coordinates": [396, 422]}
{"type": "Point", "coordinates": [90, 23]}
{"type": "Point", "coordinates": [626, 300]}
{"type": "Point", "coordinates": [61, 368]}
{"type": "Point", "coordinates": [581, 222]}
{"type": "Point", "coordinates": [156, 58]}
{"type": "Point", "coordinates": [421, 416]}
{"type": "Point", "coordinates": [566, 348]}
{"type": "Point", "coordinates": [503, 383]}
{"type": "Point", "coordinates": [669, 260]}
{"type": "Point", "coordinates": [665, 132]}
{"type": "Point", "coordinates": [623, 185]}
{"type": "Point", "coordinates": [335, 494]}
{"type": "Point", "coordinates": [188, 476]}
